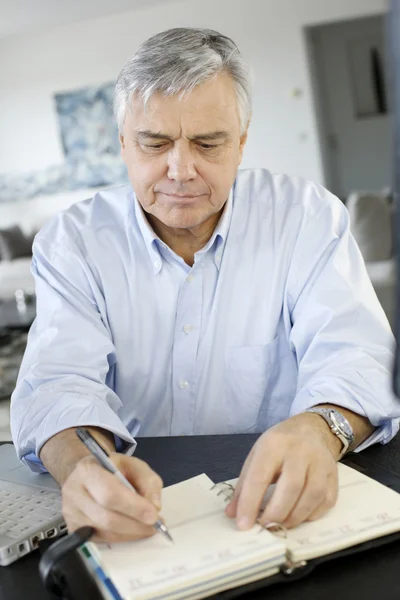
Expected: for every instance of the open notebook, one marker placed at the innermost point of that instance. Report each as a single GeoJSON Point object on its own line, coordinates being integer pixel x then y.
{"type": "Point", "coordinates": [210, 555]}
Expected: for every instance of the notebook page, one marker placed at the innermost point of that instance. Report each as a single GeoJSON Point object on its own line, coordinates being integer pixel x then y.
{"type": "Point", "coordinates": [365, 510]}
{"type": "Point", "coordinates": [196, 592]}
{"type": "Point", "coordinates": [207, 546]}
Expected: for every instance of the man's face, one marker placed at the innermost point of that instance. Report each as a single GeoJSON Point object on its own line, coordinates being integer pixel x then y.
{"type": "Point", "coordinates": [182, 155]}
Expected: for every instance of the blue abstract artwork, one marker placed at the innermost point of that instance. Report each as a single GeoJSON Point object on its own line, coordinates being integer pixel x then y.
{"type": "Point", "coordinates": [86, 122]}
{"type": "Point", "coordinates": [89, 136]}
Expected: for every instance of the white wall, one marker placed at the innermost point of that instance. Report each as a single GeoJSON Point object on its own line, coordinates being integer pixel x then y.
{"type": "Point", "coordinates": [269, 33]}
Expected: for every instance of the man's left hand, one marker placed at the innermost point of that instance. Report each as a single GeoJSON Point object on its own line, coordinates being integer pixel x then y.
{"type": "Point", "coordinates": [299, 455]}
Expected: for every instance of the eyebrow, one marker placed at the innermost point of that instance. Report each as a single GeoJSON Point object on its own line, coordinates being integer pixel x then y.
{"type": "Point", "coordinates": [146, 134]}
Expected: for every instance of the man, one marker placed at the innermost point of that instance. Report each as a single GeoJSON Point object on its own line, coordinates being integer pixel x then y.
{"type": "Point", "coordinates": [200, 300]}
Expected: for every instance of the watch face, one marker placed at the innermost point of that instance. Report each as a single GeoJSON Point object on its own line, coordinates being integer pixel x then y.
{"type": "Point", "coordinates": [342, 424]}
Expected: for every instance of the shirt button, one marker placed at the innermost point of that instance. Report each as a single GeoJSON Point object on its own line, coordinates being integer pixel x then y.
{"type": "Point", "coordinates": [157, 264]}
{"type": "Point", "coordinates": [187, 329]}
{"type": "Point", "coordinates": [189, 278]}
{"type": "Point", "coordinates": [183, 385]}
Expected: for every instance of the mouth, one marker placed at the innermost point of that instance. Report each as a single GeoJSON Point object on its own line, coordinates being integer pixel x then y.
{"type": "Point", "coordinates": [184, 199]}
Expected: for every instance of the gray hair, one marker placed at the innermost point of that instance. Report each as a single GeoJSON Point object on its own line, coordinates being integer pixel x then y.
{"type": "Point", "coordinates": [177, 60]}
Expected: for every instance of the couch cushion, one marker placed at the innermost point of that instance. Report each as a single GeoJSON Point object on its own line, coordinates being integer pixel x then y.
{"type": "Point", "coordinates": [383, 278]}
{"type": "Point", "coordinates": [371, 225]}
{"type": "Point", "coordinates": [31, 215]}
{"type": "Point", "coordinates": [14, 244]}
{"type": "Point", "coordinates": [16, 274]}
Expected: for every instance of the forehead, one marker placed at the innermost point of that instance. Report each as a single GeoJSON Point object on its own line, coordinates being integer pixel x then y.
{"type": "Point", "coordinates": [211, 105]}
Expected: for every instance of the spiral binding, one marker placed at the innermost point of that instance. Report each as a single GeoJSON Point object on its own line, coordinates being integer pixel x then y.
{"type": "Point", "coordinates": [227, 491]}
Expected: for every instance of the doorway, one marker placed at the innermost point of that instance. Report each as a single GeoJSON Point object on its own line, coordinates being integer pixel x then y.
{"type": "Point", "coordinates": [349, 76]}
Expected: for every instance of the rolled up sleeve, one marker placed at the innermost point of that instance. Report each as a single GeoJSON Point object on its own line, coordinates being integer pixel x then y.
{"type": "Point", "coordinates": [342, 339]}
{"type": "Point", "coordinates": [67, 372]}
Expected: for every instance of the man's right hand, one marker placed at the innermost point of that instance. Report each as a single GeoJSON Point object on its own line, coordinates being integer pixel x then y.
{"type": "Point", "coordinates": [93, 496]}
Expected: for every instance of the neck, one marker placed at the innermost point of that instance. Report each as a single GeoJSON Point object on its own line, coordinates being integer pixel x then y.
{"type": "Point", "coordinates": [185, 242]}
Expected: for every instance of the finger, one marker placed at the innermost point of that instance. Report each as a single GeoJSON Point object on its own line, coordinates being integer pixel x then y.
{"type": "Point", "coordinates": [260, 474]}
{"type": "Point", "coordinates": [110, 493]}
{"type": "Point", "coordinates": [231, 508]}
{"type": "Point", "coordinates": [81, 520]}
{"type": "Point", "coordinates": [146, 481]}
{"type": "Point", "coordinates": [314, 494]}
{"type": "Point", "coordinates": [288, 490]}
{"type": "Point", "coordinates": [330, 500]}
{"type": "Point", "coordinates": [108, 525]}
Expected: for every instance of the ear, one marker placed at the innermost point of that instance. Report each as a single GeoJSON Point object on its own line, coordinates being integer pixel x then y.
{"type": "Point", "coordinates": [242, 141]}
{"type": "Point", "coordinates": [122, 141]}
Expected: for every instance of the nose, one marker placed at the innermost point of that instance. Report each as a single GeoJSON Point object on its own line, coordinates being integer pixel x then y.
{"type": "Point", "coordinates": [181, 167]}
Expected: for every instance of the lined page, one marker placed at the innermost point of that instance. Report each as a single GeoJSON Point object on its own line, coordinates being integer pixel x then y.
{"type": "Point", "coordinates": [365, 510]}
{"type": "Point", "coordinates": [207, 545]}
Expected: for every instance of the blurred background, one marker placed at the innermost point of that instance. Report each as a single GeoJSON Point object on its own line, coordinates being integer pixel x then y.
{"type": "Point", "coordinates": [321, 110]}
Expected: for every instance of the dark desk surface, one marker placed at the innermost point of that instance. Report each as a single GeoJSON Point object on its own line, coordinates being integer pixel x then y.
{"type": "Point", "coordinates": [375, 574]}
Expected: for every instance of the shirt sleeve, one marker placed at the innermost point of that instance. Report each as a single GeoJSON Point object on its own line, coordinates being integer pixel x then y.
{"type": "Point", "coordinates": [342, 339]}
{"type": "Point", "coordinates": [68, 368]}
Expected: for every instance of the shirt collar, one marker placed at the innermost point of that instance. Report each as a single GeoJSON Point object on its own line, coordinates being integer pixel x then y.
{"type": "Point", "coordinates": [149, 236]}
{"type": "Point", "coordinates": [217, 240]}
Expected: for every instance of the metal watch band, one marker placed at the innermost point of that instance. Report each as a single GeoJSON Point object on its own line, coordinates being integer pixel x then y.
{"type": "Point", "coordinates": [338, 424]}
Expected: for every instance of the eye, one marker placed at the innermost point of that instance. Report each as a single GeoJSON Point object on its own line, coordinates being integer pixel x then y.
{"type": "Point", "coordinates": [155, 146]}
{"type": "Point", "coordinates": [207, 146]}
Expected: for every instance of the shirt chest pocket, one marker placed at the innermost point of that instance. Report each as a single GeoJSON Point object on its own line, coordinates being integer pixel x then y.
{"type": "Point", "coordinates": [249, 374]}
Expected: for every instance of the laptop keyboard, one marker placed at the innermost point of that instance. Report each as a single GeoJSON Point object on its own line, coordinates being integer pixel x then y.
{"type": "Point", "coordinates": [22, 512]}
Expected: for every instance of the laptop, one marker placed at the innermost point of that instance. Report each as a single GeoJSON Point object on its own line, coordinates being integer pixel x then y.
{"type": "Point", "coordinates": [30, 507]}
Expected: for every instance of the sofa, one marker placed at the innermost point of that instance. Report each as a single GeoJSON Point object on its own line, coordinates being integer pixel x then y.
{"type": "Point", "coordinates": [19, 222]}
{"type": "Point", "coordinates": [372, 224]}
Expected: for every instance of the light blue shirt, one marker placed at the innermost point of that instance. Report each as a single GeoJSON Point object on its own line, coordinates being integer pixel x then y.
{"type": "Point", "coordinates": [276, 315]}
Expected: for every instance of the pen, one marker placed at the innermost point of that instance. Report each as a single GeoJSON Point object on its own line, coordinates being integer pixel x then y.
{"type": "Point", "coordinates": [104, 459]}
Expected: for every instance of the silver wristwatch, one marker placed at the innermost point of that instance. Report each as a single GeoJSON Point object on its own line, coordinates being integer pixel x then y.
{"type": "Point", "coordinates": [338, 424]}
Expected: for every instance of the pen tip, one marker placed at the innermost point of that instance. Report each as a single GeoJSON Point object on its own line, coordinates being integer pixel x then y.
{"type": "Point", "coordinates": [165, 531]}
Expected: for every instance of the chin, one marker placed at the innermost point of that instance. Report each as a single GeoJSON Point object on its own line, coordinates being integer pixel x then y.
{"type": "Point", "coordinates": [183, 218]}
{"type": "Point", "coordinates": [182, 223]}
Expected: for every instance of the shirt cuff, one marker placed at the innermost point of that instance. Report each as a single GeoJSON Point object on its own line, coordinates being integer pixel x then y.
{"type": "Point", "coordinates": [70, 411]}
{"type": "Point", "coordinates": [35, 464]}
{"type": "Point", "coordinates": [123, 446]}
{"type": "Point", "coordinates": [382, 434]}
{"type": "Point", "coordinates": [386, 427]}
